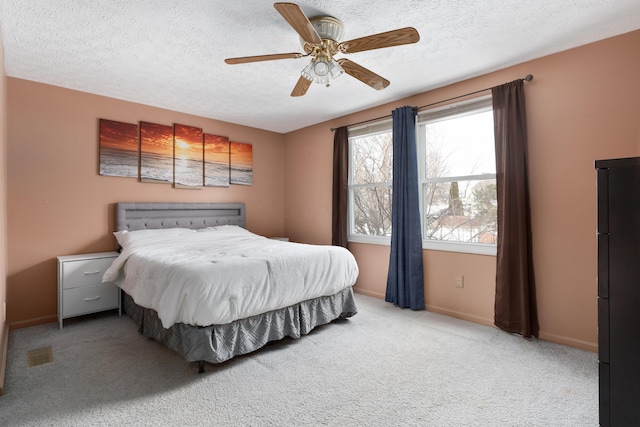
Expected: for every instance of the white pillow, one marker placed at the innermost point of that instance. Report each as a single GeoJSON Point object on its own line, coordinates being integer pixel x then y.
{"type": "Point", "coordinates": [227, 230]}
{"type": "Point", "coordinates": [125, 237]}
{"type": "Point", "coordinates": [226, 227]}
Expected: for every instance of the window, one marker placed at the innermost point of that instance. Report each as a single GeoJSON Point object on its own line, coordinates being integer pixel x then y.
{"type": "Point", "coordinates": [370, 179]}
{"type": "Point", "coordinates": [459, 203]}
{"type": "Point", "coordinates": [458, 198]}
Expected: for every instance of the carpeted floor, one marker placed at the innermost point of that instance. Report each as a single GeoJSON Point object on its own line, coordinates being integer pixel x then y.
{"type": "Point", "coordinates": [383, 367]}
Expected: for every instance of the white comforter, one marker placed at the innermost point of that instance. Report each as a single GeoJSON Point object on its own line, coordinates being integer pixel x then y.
{"type": "Point", "coordinates": [220, 274]}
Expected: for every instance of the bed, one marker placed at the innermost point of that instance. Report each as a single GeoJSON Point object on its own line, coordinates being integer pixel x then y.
{"type": "Point", "coordinates": [191, 253]}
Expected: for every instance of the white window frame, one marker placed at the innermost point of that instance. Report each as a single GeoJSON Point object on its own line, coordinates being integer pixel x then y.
{"type": "Point", "coordinates": [460, 109]}
{"type": "Point", "coordinates": [371, 129]}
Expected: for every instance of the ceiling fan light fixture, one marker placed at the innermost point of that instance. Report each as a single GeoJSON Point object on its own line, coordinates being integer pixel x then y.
{"type": "Point", "coordinates": [317, 71]}
{"type": "Point", "coordinates": [322, 69]}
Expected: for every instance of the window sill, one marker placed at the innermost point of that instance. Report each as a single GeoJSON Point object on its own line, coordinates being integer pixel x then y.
{"type": "Point", "coordinates": [385, 241]}
{"type": "Point", "coordinates": [469, 248]}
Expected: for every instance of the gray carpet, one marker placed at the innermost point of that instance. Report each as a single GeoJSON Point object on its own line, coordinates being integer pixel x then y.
{"type": "Point", "coordinates": [383, 367]}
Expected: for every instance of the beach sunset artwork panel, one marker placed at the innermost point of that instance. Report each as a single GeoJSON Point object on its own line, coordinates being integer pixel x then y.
{"type": "Point", "coordinates": [188, 156]}
{"type": "Point", "coordinates": [156, 153]}
{"type": "Point", "coordinates": [118, 149]}
{"type": "Point", "coordinates": [241, 163]}
{"type": "Point", "coordinates": [216, 161]}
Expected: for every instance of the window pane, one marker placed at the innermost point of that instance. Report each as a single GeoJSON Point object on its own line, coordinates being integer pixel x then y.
{"type": "Point", "coordinates": [460, 146]}
{"type": "Point", "coordinates": [372, 211]}
{"type": "Point", "coordinates": [371, 158]}
{"type": "Point", "coordinates": [462, 211]}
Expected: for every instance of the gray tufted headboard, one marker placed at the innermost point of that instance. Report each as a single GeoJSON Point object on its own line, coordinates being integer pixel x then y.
{"type": "Point", "coordinates": [140, 216]}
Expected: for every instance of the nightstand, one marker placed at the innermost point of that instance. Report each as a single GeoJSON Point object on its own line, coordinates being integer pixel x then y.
{"type": "Point", "coordinates": [80, 287]}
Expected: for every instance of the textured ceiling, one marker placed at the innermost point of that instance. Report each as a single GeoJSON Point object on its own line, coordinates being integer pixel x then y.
{"type": "Point", "coordinates": [170, 54]}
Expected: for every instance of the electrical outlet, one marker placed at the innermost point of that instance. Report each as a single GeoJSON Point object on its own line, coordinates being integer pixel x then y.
{"type": "Point", "coordinates": [459, 281]}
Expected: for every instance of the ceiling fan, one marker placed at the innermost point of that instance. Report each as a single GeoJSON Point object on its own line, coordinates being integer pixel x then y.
{"type": "Point", "coordinates": [321, 39]}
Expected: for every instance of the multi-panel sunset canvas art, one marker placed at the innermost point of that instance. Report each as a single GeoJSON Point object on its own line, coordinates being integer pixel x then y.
{"type": "Point", "coordinates": [118, 149]}
{"type": "Point", "coordinates": [156, 152]}
{"type": "Point", "coordinates": [241, 163]}
{"type": "Point", "coordinates": [216, 161]}
{"type": "Point", "coordinates": [187, 156]}
{"type": "Point", "coordinates": [182, 155]}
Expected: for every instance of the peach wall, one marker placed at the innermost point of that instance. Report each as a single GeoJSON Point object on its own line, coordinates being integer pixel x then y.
{"type": "Point", "coordinates": [59, 205]}
{"type": "Point", "coordinates": [582, 105]}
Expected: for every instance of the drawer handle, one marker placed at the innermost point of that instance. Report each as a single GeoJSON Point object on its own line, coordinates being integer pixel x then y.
{"type": "Point", "coordinates": [92, 298]}
{"type": "Point", "coordinates": [87, 273]}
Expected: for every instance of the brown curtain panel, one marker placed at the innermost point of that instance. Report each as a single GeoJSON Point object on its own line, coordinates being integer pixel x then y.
{"type": "Point", "coordinates": [340, 186]}
{"type": "Point", "coordinates": [515, 305]}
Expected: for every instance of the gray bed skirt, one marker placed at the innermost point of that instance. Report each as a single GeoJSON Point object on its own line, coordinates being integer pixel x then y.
{"type": "Point", "coordinates": [218, 343]}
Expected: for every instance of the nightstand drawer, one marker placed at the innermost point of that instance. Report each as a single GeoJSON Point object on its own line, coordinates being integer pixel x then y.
{"type": "Point", "coordinates": [84, 272]}
{"type": "Point", "coordinates": [89, 299]}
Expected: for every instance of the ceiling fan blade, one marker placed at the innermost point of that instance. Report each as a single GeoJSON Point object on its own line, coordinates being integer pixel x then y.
{"type": "Point", "coordinates": [377, 41]}
{"type": "Point", "coordinates": [366, 76]}
{"type": "Point", "coordinates": [258, 58]}
{"type": "Point", "coordinates": [301, 87]}
{"type": "Point", "coordinates": [299, 21]}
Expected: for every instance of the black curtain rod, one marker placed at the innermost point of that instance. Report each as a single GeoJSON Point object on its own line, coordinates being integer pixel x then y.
{"type": "Point", "coordinates": [528, 78]}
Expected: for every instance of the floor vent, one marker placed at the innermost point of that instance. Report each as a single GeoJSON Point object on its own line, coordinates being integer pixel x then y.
{"type": "Point", "coordinates": [40, 356]}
